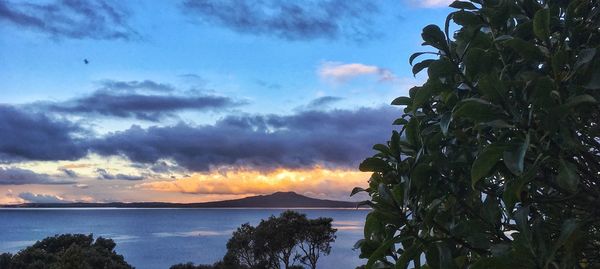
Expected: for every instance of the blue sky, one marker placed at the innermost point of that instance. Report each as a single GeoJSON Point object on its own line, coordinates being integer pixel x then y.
{"type": "Point", "coordinates": [194, 67]}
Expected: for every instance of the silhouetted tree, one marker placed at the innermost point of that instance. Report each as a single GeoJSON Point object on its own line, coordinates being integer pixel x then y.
{"type": "Point", "coordinates": [69, 251]}
{"type": "Point", "coordinates": [278, 241]}
{"type": "Point", "coordinates": [242, 247]}
{"type": "Point", "coordinates": [316, 239]}
{"type": "Point", "coordinates": [280, 235]}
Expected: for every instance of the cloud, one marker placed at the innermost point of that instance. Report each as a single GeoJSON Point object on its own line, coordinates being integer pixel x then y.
{"type": "Point", "coordinates": [287, 19]}
{"type": "Point", "coordinates": [149, 107]}
{"type": "Point", "coordinates": [103, 174]}
{"type": "Point", "coordinates": [135, 86]}
{"type": "Point", "coordinates": [78, 19]}
{"type": "Point", "coordinates": [315, 180]}
{"type": "Point", "coordinates": [268, 85]}
{"type": "Point", "coordinates": [68, 172]}
{"type": "Point", "coordinates": [18, 176]}
{"type": "Point", "coordinates": [431, 3]}
{"type": "Point", "coordinates": [34, 136]}
{"type": "Point", "coordinates": [307, 138]}
{"type": "Point", "coordinates": [41, 198]}
{"type": "Point", "coordinates": [322, 102]}
{"type": "Point", "coordinates": [340, 72]}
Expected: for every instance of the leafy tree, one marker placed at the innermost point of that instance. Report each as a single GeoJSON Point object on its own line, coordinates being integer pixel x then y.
{"type": "Point", "coordinates": [280, 241]}
{"type": "Point", "coordinates": [316, 239]}
{"type": "Point", "coordinates": [280, 235]}
{"type": "Point", "coordinates": [497, 161]}
{"type": "Point", "coordinates": [242, 246]}
{"type": "Point", "coordinates": [68, 251]}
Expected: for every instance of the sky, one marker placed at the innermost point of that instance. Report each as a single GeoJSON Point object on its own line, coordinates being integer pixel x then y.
{"type": "Point", "coordinates": [199, 100]}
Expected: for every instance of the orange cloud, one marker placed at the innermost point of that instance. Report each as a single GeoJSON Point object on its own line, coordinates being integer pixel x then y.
{"type": "Point", "coordinates": [317, 181]}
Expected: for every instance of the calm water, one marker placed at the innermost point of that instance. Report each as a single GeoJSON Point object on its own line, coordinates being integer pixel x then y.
{"type": "Point", "coordinates": [158, 238]}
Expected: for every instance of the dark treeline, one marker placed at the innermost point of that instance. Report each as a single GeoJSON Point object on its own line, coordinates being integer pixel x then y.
{"type": "Point", "coordinates": [288, 241]}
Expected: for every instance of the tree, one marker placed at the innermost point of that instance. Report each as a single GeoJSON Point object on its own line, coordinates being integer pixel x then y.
{"type": "Point", "coordinates": [316, 238]}
{"type": "Point", "coordinates": [280, 235]}
{"type": "Point", "coordinates": [68, 251]}
{"type": "Point", "coordinates": [280, 241]}
{"type": "Point", "coordinates": [497, 160]}
{"type": "Point", "coordinates": [242, 246]}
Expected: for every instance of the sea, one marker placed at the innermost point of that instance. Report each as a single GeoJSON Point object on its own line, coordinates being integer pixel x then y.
{"type": "Point", "coordinates": [159, 238]}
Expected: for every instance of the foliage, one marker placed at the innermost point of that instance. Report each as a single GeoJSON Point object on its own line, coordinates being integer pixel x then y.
{"type": "Point", "coordinates": [277, 242]}
{"type": "Point", "coordinates": [315, 240]}
{"type": "Point", "coordinates": [68, 251]}
{"type": "Point", "coordinates": [497, 161]}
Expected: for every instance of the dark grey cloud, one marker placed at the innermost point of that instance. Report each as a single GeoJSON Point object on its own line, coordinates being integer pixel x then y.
{"type": "Point", "coordinates": [78, 19]}
{"type": "Point", "coordinates": [135, 86]}
{"type": "Point", "coordinates": [18, 176]}
{"type": "Point", "coordinates": [28, 135]}
{"type": "Point", "coordinates": [41, 198]}
{"type": "Point", "coordinates": [308, 138]}
{"type": "Point", "coordinates": [68, 172]}
{"type": "Point", "coordinates": [103, 174]}
{"type": "Point", "coordinates": [288, 19]}
{"type": "Point", "coordinates": [323, 102]}
{"type": "Point", "coordinates": [150, 107]}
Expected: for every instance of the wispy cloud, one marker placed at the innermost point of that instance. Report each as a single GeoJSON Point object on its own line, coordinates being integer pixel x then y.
{"type": "Point", "coordinates": [78, 19]}
{"type": "Point", "coordinates": [291, 20]}
{"type": "Point", "coordinates": [343, 72]}
{"type": "Point", "coordinates": [104, 174]}
{"type": "Point", "coordinates": [143, 100]}
{"type": "Point", "coordinates": [18, 176]}
{"type": "Point", "coordinates": [29, 197]}
{"type": "Point", "coordinates": [431, 3]}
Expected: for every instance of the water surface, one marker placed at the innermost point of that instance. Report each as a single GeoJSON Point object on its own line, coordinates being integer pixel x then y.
{"type": "Point", "coordinates": [159, 238]}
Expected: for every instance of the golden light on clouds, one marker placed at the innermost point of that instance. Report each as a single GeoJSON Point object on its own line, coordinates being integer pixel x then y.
{"type": "Point", "coordinates": [316, 181]}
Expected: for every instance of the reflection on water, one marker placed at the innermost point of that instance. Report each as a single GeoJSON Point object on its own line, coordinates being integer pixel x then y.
{"type": "Point", "coordinates": [158, 238]}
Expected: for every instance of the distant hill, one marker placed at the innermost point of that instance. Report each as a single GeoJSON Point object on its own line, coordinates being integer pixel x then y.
{"type": "Point", "coordinates": [275, 200]}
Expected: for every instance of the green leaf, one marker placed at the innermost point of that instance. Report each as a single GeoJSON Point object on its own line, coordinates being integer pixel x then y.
{"type": "Point", "coordinates": [398, 194]}
{"type": "Point", "coordinates": [466, 18]}
{"type": "Point", "coordinates": [441, 68]}
{"type": "Point", "coordinates": [542, 92]}
{"type": "Point", "coordinates": [415, 55]}
{"type": "Point", "coordinates": [585, 56]}
{"type": "Point", "coordinates": [479, 110]}
{"type": "Point", "coordinates": [381, 251]}
{"type": "Point", "coordinates": [402, 101]}
{"type": "Point", "coordinates": [514, 155]}
{"type": "Point", "coordinates": [421, 96]}
{"type": "Point", "coordinates": [445, 122]}
{"type": "Point", "coordinates": [567, 176]}
{"type": "Point", "coordinates": [568, 236]}
{"type": "Point", "coordinates": [357, 190]}
{"type": "Point", "coordinates": [491, 87]}
{"type": "Point", "coordinates": [418, 67]}
{"type": "Point", "coordinates": [374, 165]}
{"type": "Point", "coordinates": [527, 50]}
{"type": "Point", "coordinates": [579, 99]}
{"type": "Point", "coordinates": [446, 260]}
{"type": "Point", "coordinates": [400, 121]}
{"type": "Point", "coordinates": [433, 36]}
{"type": "Point", "coordinates": [484, 163]}
{"type": "Point", "coordinates": [372, 225]}
{"type": "Point", "coordinates": [541, 24]}
{"type": "Point", "coordinates": [463, 5]}
{"type": "Point", "coordinates": [409, 254]}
